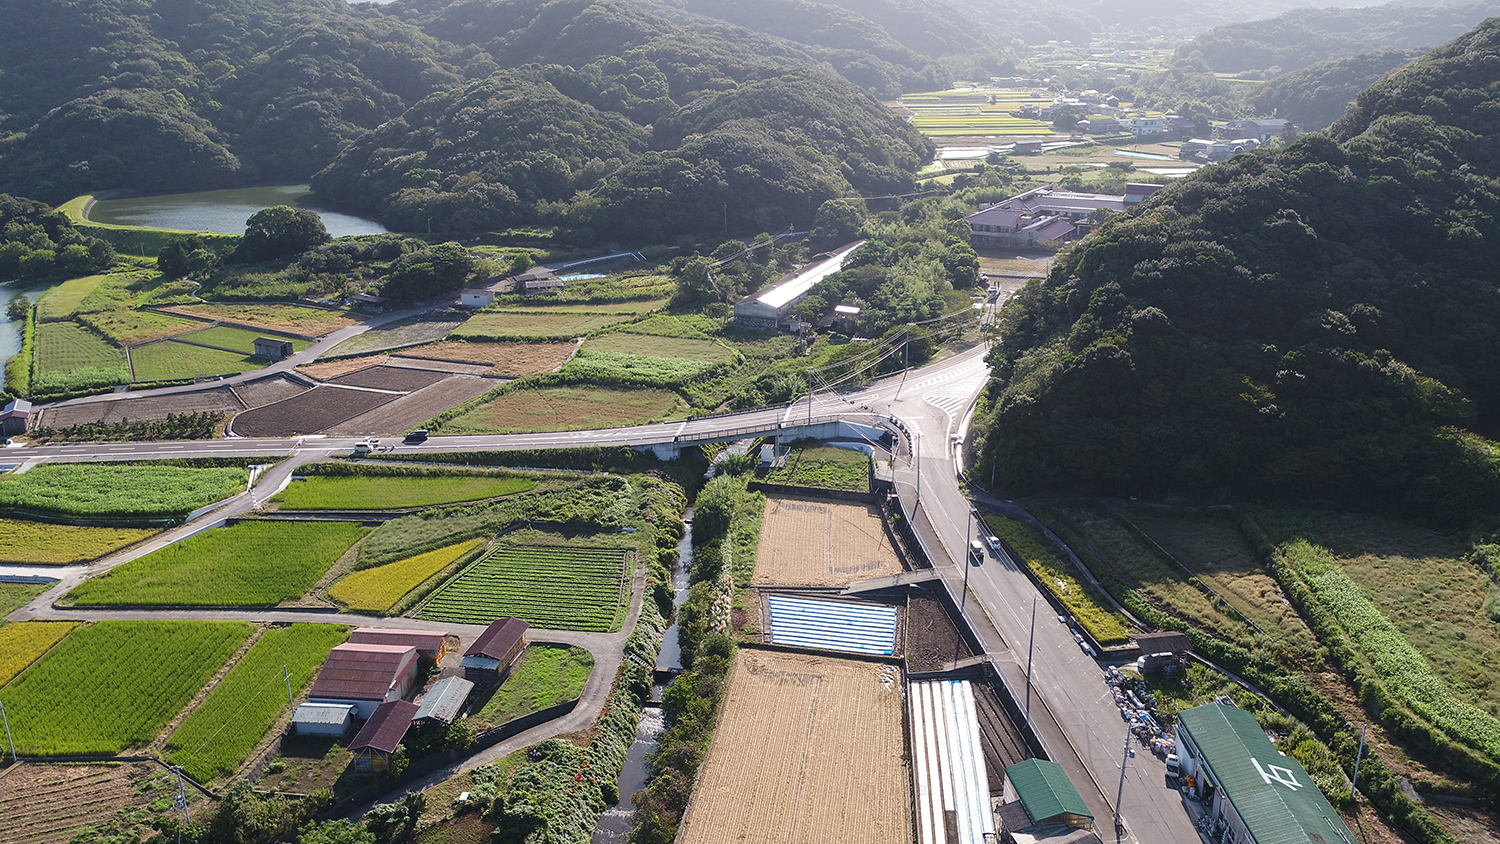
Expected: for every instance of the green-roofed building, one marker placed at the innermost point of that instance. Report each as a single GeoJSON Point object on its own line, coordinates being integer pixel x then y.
{"type": "Point", "coordinates": [1255, 795]}
{"type": "Point", "coordinates": [1046, 794]}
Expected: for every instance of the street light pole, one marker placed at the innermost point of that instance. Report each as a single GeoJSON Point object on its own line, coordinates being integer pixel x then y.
{"type": "Point", "coordinates": [1120, 794]}
{"type": "Point", "coordinates": [1030, 646]}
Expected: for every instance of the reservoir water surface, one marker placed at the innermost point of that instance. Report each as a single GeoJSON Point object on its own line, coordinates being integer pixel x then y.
{"type": "Point", "coordinates": [222, 211]}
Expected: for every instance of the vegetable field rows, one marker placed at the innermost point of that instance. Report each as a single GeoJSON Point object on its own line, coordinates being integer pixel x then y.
{"type": "Point", "coordinates": [220, 733]}
{"type": "Point", "coordinates": [553, 587]}
{"type": "Point", "coordinates": [115, 684]}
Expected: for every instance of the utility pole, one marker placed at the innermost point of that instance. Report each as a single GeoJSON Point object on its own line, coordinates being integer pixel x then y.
{"type": "Point", "coordinates": [917, 449]}
{"type": "Point", "coordinates": [905, 359]}
{"type": "Point", "coordinates": [1030, 646]}
{"type": "Point", "coordinates": [1120, 794]}
{"type": "Point", "coordinates": [287, 675]}
{"type": "Point", "coordinates": [809, 396]}
{"type": "Point", "coordinates": [1359, 757]}
{"type": "Point", "coordinates": [968, 563]}
{"type": "Point", "coordinates": [12, 741]}
{"type": "Point", "coordinates": [181, 801]}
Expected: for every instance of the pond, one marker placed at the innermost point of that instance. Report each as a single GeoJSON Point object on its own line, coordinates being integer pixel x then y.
{"type": "Point", "coordinates": [223, 211]}
{"type": "Point", "coordinates": [10, 330]}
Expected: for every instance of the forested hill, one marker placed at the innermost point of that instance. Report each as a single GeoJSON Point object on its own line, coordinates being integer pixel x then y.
{"type": "Point", "coordinates": [1304, 36]}
{"type": "Point", "coordinates": [743, 126]}
{"type": "Point", "coordinates": [1316, 323]}
{"type": "Point", "coordinates": [1318, 94]}
{"type": "Point", "coordinates": [473, 113]}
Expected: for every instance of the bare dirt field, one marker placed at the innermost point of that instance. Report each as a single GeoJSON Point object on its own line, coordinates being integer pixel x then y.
{"type": "Point", "coordinates": [334, 368]}
{"type": "Point", "coordinates": [411, 410]}
{"type": "Point", "coordinates": [390, 378]}
{"type": "Point", "coordinates": [216, 400]}
{"type": "Point", "coordinates": [809, 749]}
{"type": "Point", "coordinates": [812, 542]}
{"type": "Point", "coordinates": [42, 804]}
{"type": "Point", "coordinates": [511, 359]}
{"type": "Point", "coordinates": [318, 408]}
{"type": "Point", "coordinates": [263, 391]}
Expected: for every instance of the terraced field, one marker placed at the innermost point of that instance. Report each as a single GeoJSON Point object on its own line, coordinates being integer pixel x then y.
{"type": "Point", "coordinates": [560, 588]}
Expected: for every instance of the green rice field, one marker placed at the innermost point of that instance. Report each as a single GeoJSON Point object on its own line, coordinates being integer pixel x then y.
{"type": "Point", "coordinates": [555, 587]}
{"type": "Point", "coordinates": [240, 340]}
{"type": "Point", "coordinates": [106, 491]}
{"type": "Point", "coordinates": [173, 361]}
{"type": "Point", "coordinates": [66, 346]}
{"type": "Point", "coordinates": [372, 492]}
{"type": "Point", "coordinates": [215, 739]}
{"type": "Point", "coordinates": [130, 327]}
{"type": "Point", "coordinates": [114, 685]}
{"type": "Point", "coordinates": [249, 564]}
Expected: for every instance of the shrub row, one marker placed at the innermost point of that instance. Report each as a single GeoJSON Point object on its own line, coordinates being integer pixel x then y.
{"type": "Point", "coordinates": [18, 368]}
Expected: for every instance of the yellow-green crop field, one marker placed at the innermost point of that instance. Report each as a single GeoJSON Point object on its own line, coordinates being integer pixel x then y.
{"type": "Point", "coordinates": [979, 124]}
{"type": "Point", "coordinates": [22, 644]}
{"type": "Point", "coordinates": [40, 544]}
{"type": "Point", "coordinates": [378, 589]}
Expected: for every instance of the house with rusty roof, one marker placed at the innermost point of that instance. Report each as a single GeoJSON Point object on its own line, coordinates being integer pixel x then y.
{"type": "Point", "coordinates": [491, 655]}
{"type": "Point", "coordinates": [430, 644]}
{"type": "Point", "coordinates": [365, 676]}
{"type": "Point", "coordinates": [380, 736]}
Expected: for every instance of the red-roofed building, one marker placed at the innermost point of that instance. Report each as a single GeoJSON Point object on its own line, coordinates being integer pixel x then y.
{"type": "Point", "coordinates": [387, 726]}
{"type": "Point", "coordinates": [491, 655]}
{"type": "Point", "coordinates": [430, 645]}
{"type": "Point", "coordinates": [365, 676]}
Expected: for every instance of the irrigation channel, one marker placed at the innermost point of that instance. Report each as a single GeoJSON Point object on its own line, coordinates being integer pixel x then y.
{"type": "Point", "coordinates": [614, 825]}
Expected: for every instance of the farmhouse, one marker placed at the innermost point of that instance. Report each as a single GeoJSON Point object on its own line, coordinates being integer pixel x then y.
{"type": "Point", "coordinates": [365, 676]}
{"type": "Point", "coordinates": [273, 348]}
{"type": "Point", "coordinates": [387, 726]}
{"type": "Point", "coordinates": [1255, 795]}
{"type": "Point", "coordinates": [444, 701]}
{"type": "Point", "coordinates": [1261, 129]}
{"type": "Point", "coordinates": [430, 645]}
{"type": "Point", "coordinates": [770, 306]}
{"type": "Point", "coordinates": [323, 719]}
{"type": "Point", "coordinates": [1043, 218]}
{"type": "Point", "coordinates": [491, 655]}
{"type": "Point", "coordinates": [1046, 798]}
{"type": "Point", "coordinates": [367, 302]}
{"type": "Point", "coordinates": [15, 417]}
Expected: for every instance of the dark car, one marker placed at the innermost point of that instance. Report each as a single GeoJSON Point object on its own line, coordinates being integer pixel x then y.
{"type": "Point", "coordinates": [419, 435]}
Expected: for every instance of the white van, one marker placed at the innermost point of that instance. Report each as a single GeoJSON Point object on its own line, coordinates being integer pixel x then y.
{"type": "Point", "coordinates": [976, 550]}
{"type": "Point", "coordinates": [364, 446]}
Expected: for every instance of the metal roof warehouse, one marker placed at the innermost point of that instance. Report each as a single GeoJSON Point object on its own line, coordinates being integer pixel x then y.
{"type": "Point", "coordinates": [1258, 795]}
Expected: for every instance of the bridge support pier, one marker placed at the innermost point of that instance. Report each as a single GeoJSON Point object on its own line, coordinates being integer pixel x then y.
{"type": "Point", "coordinates": [662, 451]}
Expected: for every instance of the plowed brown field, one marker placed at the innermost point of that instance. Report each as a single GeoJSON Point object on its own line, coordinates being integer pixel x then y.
{"type": "Point", "coordinates": [51, 804]}
{"type": "Point", "coordinates": [805, 542]}
{"type": "Point", "coordinates": [809, 749]}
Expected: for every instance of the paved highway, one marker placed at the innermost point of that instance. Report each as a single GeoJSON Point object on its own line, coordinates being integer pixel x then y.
{"type": "Point", "coordinates": [933, 403]}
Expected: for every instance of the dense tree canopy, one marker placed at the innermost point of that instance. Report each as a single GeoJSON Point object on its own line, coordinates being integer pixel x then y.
{"type": "Point", "coordinates": [280, 231]}
{"type": "Point", "coordinates": [1318, 94]}
{"type": "Point", "coordinates": [36, 242]}
{"type": "Point", "coordinates": [1313, 323]}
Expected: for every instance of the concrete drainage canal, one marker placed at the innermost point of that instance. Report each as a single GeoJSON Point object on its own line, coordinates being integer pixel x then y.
{"type": "Point", "coordinates": [614, 827]}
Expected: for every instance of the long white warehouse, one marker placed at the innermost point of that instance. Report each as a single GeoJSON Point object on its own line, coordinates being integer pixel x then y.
{"type": "Point", "coordinates": [949, 764]}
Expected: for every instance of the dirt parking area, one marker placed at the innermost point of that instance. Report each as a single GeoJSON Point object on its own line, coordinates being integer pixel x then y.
{"type": "Point", "coordinates": [141, 408]}
{"type": "Point", "coordinates": [808, 749]}
{"type": "Point", "coordinates": [814, 542]}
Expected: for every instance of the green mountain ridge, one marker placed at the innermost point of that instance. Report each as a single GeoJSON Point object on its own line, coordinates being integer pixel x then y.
{"type": "Point", "coordinates": [1315, 323]}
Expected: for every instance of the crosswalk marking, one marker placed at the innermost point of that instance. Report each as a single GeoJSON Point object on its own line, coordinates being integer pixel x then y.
{"type": "Point", "coordinates": [953, 398]}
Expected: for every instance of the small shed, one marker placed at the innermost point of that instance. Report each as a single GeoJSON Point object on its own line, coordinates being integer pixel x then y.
{"type": "Point", "coordinates": [1046, 794]}
{"type": "Point", "coordinates": [476, 297]}
{"type": "Point", "coordinates": [323, 719]}
{"type": "Point", "coordinates": [1160, 650]}
{"type": "Point", "coordinates": [15, 418]}
{"type": "Point", "coordinates": [273, 348]}
{"type": "Point", "coordinates": [378, 739]}
{"type": "Point", "coordinates": [365, 301]}
{"type": "Point", "coordinates": [430, 645]}
{"type": "Point", "coordinates": [491, 655]}
{"type": "Point", "coordinates": [444, 701]}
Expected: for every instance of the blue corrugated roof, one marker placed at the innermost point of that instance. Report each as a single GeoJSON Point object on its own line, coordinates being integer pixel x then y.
{"type": "Point", "coordinates": [829, 625]}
